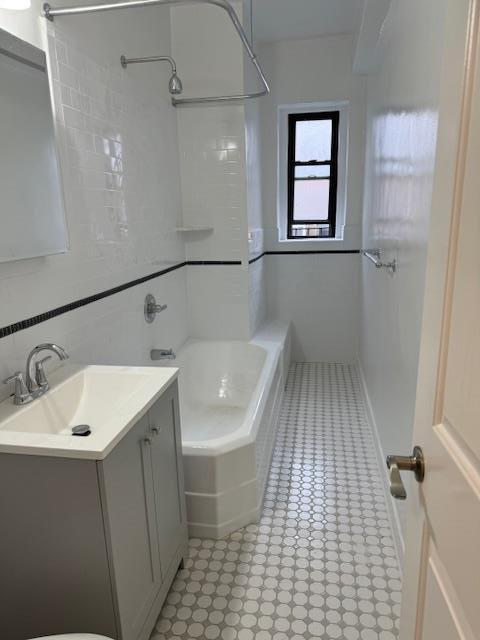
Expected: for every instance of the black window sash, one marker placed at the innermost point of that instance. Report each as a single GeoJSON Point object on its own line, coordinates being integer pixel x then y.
{"type": "Point", "coordinates": [293, 118]}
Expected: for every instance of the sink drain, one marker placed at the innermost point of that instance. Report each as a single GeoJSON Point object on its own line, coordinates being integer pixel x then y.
{"type": "Point", "coordinates": [81, 430]}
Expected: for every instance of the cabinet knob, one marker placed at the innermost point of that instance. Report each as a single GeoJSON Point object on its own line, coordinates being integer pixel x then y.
{"type": "Point", "coordinates": [147, 440]}
{"type": "Point", "coordinates": [156, 430]}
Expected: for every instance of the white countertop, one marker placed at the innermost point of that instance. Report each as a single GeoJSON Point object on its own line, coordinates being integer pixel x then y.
{"type": "Point", "coordinates": [110, 399]}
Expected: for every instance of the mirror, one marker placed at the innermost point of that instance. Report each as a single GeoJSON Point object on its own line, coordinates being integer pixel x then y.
{"type": "Point", "coordinates": [31, 200]}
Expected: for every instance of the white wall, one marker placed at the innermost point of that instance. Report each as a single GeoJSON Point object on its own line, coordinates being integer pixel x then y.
{"type": "Point", "coordinates": [317, 293]}
{"type": "Point", "coordinates": [314, 70]}
{"type": "Point", "coordinates": [257, 291]}
{"type": "Point", "coordinates": [403, 106]}
{"type": "Point", "coordinates": [320, 295]}
{"type": "Point", "coordinates": [119, 161]}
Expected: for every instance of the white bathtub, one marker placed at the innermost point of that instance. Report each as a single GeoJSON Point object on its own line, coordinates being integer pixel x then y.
{"type": "Point", "coordinates": [230, 394]}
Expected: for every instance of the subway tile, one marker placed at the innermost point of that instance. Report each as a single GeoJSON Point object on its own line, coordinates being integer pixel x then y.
{"type": "Point", "coordinates": [118, 230]}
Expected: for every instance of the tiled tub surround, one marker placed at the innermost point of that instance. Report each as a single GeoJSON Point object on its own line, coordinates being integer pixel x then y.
{"type": "Point", "coordinates": [230, 396]}
{"type": "Point", "coordinates": [320, 564]}
{"type": "Point", "coordinates": [119, 162]}
{"type": "Point", "coordinates": [212, 167]}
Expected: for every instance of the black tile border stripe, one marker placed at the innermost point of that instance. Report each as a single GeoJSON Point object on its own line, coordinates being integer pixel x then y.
{"type": "Point", "coordinates": [252, 260]}
{"type": "Point", "coordinates": [71, 306]}
{"type": "Point", "coordinates": [302, 252]}
{"type": "Point", "coordinates": [213, 262]}
{"type": "Point", "coordinates": [53, 313]}
{"type": "Point", "coordinates": [319, 251]}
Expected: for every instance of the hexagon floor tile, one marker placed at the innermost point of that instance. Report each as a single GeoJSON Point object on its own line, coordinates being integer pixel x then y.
{"type": "Point", "coordinates": [321, 562]}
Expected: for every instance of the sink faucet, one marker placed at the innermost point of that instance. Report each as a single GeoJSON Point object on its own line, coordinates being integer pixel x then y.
{"type": "Point", "coordinates": [162, 354]}
{"type": "Point", "coordinates": [37, 384]}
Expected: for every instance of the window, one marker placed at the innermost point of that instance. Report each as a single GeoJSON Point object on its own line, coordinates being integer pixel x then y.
{"type": "Point", "coordinates": [312, 174]}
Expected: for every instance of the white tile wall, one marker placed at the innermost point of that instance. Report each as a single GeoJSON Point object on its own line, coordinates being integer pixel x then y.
{"type": "Point", "coordinates": [313, 70]}
{"type": "Point", "coordinates": [256, 244]}
{"type": "Point", "coordinates": [319, 295]}
{"type": "Point", "coordinates": [212, 167]}
{"type": "Point", "coordinates": [256, 234]}
{"type": "Point", "coordinates": [400, 171]}
{"type": "Point", "coordinates": [218, 302]}
{"type": "Point", "coordinates": [119, 160]}
{"type": "Point", "coordinates": [257, 294]}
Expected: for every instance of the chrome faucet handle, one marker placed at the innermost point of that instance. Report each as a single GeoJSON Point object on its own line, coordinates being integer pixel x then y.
{"type": "Point", "coordinates": [22, 395]}
{"type": "Point", "coordinates": [151, 308]}
{"type": "Point", "coordinates": [162, 354]}
{"type": "Point", "coordinates": [40, 377]}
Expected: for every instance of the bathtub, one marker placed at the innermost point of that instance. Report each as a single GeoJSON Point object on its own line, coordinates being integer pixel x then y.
{"type": "Point", "coordinates": [230, 395]}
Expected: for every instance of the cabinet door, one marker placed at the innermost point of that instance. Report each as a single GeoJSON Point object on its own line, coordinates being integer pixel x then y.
{"type": "Point", "coordinates": [130, 516]}
{"type": "Point", "coordinates": [167, 468]}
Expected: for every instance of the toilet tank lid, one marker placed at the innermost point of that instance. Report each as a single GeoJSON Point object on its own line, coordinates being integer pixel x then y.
{"type": "Point", "coordinates": [73, 636]}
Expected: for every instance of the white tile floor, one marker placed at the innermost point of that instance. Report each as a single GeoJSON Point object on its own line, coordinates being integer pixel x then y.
{"type": "Point", "coordinates": [321, 563]}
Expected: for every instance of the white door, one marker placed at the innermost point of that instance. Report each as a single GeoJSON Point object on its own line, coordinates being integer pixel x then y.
{"type": "Point", "coordinates": [442, 562]}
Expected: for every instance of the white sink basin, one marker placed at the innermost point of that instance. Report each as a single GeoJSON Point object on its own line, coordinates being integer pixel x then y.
{"type": "Point", "coordinates": [108, 399]}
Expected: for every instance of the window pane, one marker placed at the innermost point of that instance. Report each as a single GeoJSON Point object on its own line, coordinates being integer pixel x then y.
{"type": "Point", "coordinates": [313, 140]}
{"type": "Point", "coordinates": [323, 171]}
{"type": "Point", "coordinates": [311, 199]}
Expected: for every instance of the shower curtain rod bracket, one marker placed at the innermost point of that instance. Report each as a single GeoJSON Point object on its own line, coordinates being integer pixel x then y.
{"type": "Point", "coordinates": [50, 13]}
{"type": "Point", "coordinates": [46, 11]}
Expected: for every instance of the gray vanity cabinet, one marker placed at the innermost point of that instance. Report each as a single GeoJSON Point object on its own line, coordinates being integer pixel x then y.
{"type": "Point", "coordinates": [127, 493]}
{"type": "Point", "coordinates": [142, 489]}
{"type": "Point", "coordinates": [93, 546]}
{"type": "Point", "coordinates": [166, 457]}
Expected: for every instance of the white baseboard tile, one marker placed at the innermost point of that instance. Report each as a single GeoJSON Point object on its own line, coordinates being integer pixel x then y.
{"type": "Point", "coordinates": [392, 507]}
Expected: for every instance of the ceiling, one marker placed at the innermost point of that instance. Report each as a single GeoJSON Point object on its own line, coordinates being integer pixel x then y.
{"type": "Point", "coordinates": [289, 19]}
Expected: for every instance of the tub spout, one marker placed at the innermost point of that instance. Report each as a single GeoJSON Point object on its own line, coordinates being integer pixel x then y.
{"type": "Point", "coordinates": [162, 354]}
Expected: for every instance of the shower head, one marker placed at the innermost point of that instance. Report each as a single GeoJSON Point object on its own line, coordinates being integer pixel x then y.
{"type": "Point", "coordinates": [175, 84]}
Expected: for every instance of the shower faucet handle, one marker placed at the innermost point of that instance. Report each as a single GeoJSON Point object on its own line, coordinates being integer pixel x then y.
{"type": "Point", "coordinates": [151, 308]}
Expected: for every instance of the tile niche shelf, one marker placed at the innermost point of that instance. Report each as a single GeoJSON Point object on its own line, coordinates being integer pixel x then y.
{"type": "Point", "coordinates": [191, 229]}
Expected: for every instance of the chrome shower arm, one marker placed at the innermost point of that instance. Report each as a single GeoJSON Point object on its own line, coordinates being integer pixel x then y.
{"type": "Point", "coordinates": [50, 13]}
{"type": "Point", "coordinates": [126, 61]}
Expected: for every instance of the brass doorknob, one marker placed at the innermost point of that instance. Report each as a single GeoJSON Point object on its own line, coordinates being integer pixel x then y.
{"type": "Point", "coordinates": [414, 463]}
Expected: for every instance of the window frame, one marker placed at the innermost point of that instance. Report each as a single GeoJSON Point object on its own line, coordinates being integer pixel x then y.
{"type": "Point", "coordinates": [293, 119]}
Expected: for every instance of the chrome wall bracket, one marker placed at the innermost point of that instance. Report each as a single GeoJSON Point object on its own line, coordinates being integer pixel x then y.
{"type": "Point", "coordinates": [374, 255]}
{"type": "Point", "coordinates": [151, 308]}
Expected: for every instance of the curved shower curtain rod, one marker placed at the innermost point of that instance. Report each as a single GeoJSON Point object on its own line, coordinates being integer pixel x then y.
{"type": "Point", "coordinates": [50, 13]}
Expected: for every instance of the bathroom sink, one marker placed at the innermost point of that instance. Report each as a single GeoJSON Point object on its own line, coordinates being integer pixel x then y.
{"type": "Point", "coordinates": [109, 399]}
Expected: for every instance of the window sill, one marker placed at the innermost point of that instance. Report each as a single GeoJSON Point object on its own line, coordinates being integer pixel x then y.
{"type": "Point", "coordinates": [306, 240]}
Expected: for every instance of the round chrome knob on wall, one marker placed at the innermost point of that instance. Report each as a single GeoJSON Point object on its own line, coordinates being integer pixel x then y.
{"type": "Point", "coordinates": [151, 308]}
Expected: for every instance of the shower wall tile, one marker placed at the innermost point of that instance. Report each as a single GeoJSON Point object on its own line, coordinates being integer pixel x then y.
{"type": "Point", "coordinates": [218, 302]}
{"type": "Point", "coordinates": [214, 191]}
{"type": "Point", "coordinates": [256, 244]}
{"type": "Point", "coordinates": [319, 295]}
{"type": "Point", "coordinates": [220, 170]}
{"type": "Point", "coordinates": [257, 296]}
{"type": "Point", "coordinates": [119, 160]}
